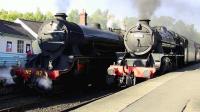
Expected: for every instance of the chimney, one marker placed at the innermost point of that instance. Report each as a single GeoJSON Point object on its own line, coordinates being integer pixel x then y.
{"type": "Point", "coordinates": [60, 16]}
{"type": "Point", "coordinates": [83, 18]}
{"type": "Point", "coordinates": [144, 21]}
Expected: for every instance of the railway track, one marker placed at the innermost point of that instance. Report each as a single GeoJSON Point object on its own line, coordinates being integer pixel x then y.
{"type": "Point", "coordinates": [69, 101]}
{"type": "Point", "coordinates": [65, 101]}
{"type": "Point", "coordinates": [15, 102]}
{"type": "Point", "coordinates": [6, 90]}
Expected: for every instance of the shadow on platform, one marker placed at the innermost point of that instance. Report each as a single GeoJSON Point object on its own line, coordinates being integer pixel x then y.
{"type": "Point", "coordinates": [189, 67]}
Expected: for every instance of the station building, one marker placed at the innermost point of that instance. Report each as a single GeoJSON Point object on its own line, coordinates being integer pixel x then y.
{"type": "Point", "coordinates": [32, 27]}
{"type": "Point", "coordinates": [15, 42]}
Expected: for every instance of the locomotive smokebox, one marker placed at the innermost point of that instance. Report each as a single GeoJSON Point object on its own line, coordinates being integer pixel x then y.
{"type": "Point", "coordinates": [145, 21]}
{"type": "Point", "coordinates": [140, 40]}
{"type": "Point", "coordinates": [60, 16]}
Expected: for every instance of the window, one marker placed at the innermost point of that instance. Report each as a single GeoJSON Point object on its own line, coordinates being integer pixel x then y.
{"type": "Point", "coordinates": [9, 46]}
{"type": "Point", "coordinates": [28, 47]}
{"type": "Point", "coordinates": [20, 46]}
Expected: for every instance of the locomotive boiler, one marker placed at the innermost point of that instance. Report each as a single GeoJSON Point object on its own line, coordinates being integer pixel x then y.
{"type": "Point", "coordinates": [69, 50]}
{"type": "Point", "coordinates": [150, 51]}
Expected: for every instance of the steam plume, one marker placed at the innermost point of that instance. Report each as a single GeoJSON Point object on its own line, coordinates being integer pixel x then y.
{"type": "Point", "coordinates": [61, 6]}
{"type": "Point", "coordinates": [146, 8]}
{"type": "Point", "coordinates": [5, 75]}
{"type": "Point", "coordinates": [44, 83]}
{"type": "Point", "coordinates": [110, 23]}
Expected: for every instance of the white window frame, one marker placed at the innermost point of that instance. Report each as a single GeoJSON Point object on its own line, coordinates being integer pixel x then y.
{"type": "Point", "coordinates": [8, 47]}
{"type": "Point", "coordinates": [20, 46]}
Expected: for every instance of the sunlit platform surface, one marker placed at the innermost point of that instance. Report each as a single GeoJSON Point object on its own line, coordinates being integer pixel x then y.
{"type": "Point", "coordinates": [177, 91]}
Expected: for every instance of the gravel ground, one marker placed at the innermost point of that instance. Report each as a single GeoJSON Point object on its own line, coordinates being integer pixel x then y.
{"type": "Point", "coordinates": [69, 102]}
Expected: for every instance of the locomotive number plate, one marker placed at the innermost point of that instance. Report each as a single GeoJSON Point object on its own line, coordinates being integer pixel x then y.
{"type": "Point", "coordinates": [139, 35]}
{"type": "Point", "coordinates": [39, 73]}
{"type": "Point", "coordinates": [28, 72]}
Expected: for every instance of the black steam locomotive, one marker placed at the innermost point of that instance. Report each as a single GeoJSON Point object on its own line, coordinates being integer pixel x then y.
{"type": "Point", "coordinates": [150, 51]}
{"type": "Point", "coordinates": [69, 50]}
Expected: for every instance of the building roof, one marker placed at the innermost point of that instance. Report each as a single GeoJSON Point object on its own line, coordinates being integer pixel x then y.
{"type": "Point", "coordinates": [14, 29]}
{"type": "Point", "coordinates": [34, 25]}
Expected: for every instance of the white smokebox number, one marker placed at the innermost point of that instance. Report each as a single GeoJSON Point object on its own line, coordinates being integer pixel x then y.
{"type": "Point", "coordinates": [138, 35]}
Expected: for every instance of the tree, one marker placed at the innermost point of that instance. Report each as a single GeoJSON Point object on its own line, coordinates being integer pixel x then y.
{"type": "Point", "coordinates": [163, 21]}
{"type": "Point", "coordinates": [13, 15]}
{"type": "Point", "coordinates": [130, 22]}
{"type": "Point", "coordinates": [27, 16]}
{"type": "Point", "coordinates": [186, 30]}
{"type": "Point", "coordinates": [73, 16]}
{"type": "Point", "coordinates": [99, 17]}
{"type": "Point", "coordinates": [38, 16]}
{"type": "Point", "coordinates": [48, 16]}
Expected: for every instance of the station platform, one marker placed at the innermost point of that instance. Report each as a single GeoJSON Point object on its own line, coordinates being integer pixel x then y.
{"type": "Point", "coordinates": [177, 91]}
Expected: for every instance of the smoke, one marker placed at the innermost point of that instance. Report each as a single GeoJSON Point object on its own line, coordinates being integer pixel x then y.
{"type": "Point", "coordinates": [36, 48]}
{"type": "Point", "coordinates": [5, 76]}
{"type": "Point", "coordinates": [179, 26]}
{"type": "Point", "coordinates": [44, 83]}
{"type": "Point", "coordinates": [146, 8]}
{"type": "Point", "coordinates": [112, 22]}
{"type": "Point", "coordinates": [61, 6]}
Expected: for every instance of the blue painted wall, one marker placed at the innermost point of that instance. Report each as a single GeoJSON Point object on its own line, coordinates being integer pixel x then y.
{"type": "Point", "coordinates": [12, 59]}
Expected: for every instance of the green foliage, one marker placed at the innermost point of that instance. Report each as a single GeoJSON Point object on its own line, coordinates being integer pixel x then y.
{"type": "Point", "coordinates": [130, 22]}
{"type": "Point", "coordinates": [186, 30]}
{"type": "Point", "coordinates": [164, 21]}
{"type": "Point", "coordinates": [99, 17]}
{"type": "Point", "coordinates": [13, 15]}
{"type": "Point", "coordinates": [179, 27]}
{"type": "Point", "coordinates": [73, 16]}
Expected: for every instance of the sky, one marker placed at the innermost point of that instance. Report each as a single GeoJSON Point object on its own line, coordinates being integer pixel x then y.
{"type": "Point", "coordinates": [186, 10]}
